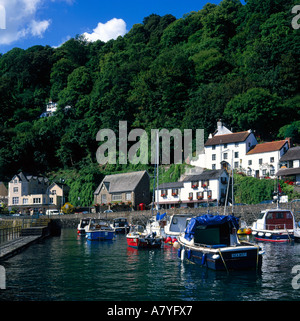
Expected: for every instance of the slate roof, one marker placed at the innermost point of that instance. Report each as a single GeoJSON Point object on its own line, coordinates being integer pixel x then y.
{"type": "Point", "coordinates": [267, 147]}
{"type": "Point", "coordinates": [170, 185]}
{"type": "Point", "coordinates": [288, 171]}
{"type": "Point", "coordinates": [23, 176]}
{"type": "Point", "coordinates": [124, 182]}
{"type": "Point", "coordinates": [292, 154]}
{"type": "Point", "coordinates": [228, 138]}
{"type": "Point", "coordinates": [206, 175]}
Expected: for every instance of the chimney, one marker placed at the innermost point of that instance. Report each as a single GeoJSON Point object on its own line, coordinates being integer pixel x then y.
{"type": "Point", "coordinates": [290, 141]}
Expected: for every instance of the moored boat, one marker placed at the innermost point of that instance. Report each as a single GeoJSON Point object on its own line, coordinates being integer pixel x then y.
{"type": "Point", "coordinates": [275, 225]}
{"type": "Point", "coordinates": [139, 239]}
{"type": "Point", "coordinates": [120, 225]}
{"type": "Point", "coordinates": [176, 225]}
{"type": "Point", "coordinates": [83, 225]}
{"type": "Point", "coordinates": [212, 241]}
{"type": "Point", "coordinates": [99, 230]}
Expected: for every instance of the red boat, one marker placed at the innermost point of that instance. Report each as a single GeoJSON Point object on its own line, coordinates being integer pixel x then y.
{"type": "Point", "coordinates": [137, 239]}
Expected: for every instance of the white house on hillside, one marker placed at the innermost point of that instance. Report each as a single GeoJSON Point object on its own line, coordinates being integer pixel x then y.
{"type": "Point", "coordinates": [240, 150]}
{"type": "Point", "coordinates": [194, 190]}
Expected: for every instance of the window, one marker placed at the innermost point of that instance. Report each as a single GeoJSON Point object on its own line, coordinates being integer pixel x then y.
{"type": "Point", "coordinates": [117, 197]}
{"type": "Point", "coordinates": [190, 196]}
{"type": "Point", "coordinates": [236, 164]}
{"type": "Point", "coordinates": [214, 147]}
{"type": "Point", "coordinates": [272, 172]}
{"type": "Point", "coordinates": [175, 192]}
{"type": "Point", "coordinates": [249, 162]}
{"type": "Point", "coordinates": [249, 172]}
{"type": "Point", "coordinates": [15, 200]}
{"type": "Point", "coordinates": [15, 181]}
{"type": "Point", "coordinates": [103, 198]}
{"type": "Point", "coordinates": [128, 196]}
{"type": "Point", "coordinates": [51, 200]}
{"type": "Point", "coordinates": [213, 166]}
{"type": "Point", "coordinates": [164, 193]}
{"type": "Point", "coordinates": [236, 144]}
{"type": "Point", "coordinates": [260, 161]}
{"type": "Point", "coordinates": [225, 145]}
{"type": "Point", "coordinates": [225, 155]}
{"type": "Point", "coordinates": [37, 200]}
{"type": "Point", "coordinates": [16, 189]}
{"type": "Point", "coordinates": [25, 201]}
{"type": "Point", "coordinates": [53, 192]}
{"type": "Point", "coordinates": [194, 184]}
{"type": "Point", "coordinates": [205, 183]}
{"type": "Point", "coordinates": [200, 195]}
{"type": "Point", "coordinates": [213, 156]}
{"type": "Point", "coordinates": [264, 172]}
{"type": "Point", "coordinates": [271, 159]}
{"type": "Point", "coordinates": [236, 155]}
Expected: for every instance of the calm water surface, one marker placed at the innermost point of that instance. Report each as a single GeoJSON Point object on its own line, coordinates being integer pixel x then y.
{"type": "Point", "coordinates": [70, 268]}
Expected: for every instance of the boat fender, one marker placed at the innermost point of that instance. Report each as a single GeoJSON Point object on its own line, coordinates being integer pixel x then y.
{"type": "Point", "coordinates": [179, 253]}
{"type": "Point", "coordinates": [176, 245]}
{"type": "Point", "coordinates": [189, 254]}
{"type": "Point", "coordinates": [203, 259]}
{"type": "Point", "coordinates": [182, 254]}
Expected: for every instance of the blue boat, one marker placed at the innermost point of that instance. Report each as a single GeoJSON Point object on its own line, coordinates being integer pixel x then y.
{"type": "Point", "coordinates": [211, 241]}
{"type": "Point", "coordinates": [99, 230]}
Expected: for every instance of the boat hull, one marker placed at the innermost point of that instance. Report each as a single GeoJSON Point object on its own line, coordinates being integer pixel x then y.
{"type": "Point", "coordinates": [100, 235]}
{"type": "Point", "coordinates": [242, 259]}
{"type": "Point", "coordinates": [142, 243]}
{"type": "Point", "coordinates": [275, 237]}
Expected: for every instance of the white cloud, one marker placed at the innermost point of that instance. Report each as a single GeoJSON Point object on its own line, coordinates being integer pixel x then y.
{"type": "Point", "coordinates": [37, 28]}
{"type": "Point", "coordinates": [112, 29]}
{"type": "Point", "coordinates": [21, 20]}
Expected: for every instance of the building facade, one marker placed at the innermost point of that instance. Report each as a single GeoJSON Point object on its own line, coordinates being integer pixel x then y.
{"type": "Point", "coordinates": [29, 194]}
{"type": "Point", "coordinates": [290, 165]}
{"type": "Point", "coordinates": [195, 190]}
{"type": "Point", "coordinates": [240, 150]}
{"type": "Point", "coordinates": [125, 188]}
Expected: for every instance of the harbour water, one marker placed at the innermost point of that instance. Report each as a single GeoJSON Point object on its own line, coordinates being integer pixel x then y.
{"type": "Point", "coordinates": [70, 268]}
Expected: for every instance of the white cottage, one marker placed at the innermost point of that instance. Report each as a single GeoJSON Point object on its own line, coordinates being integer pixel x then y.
{"type": "Point", "coordinates": [194, 190]}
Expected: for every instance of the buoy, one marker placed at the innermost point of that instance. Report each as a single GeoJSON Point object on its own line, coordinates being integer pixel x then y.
{"type": "Point", "coordinates": [168, 240]}
{"type": "Point", "coordinates": [176, 245]}
{"type": "Point", "coordinates": [174, 239]}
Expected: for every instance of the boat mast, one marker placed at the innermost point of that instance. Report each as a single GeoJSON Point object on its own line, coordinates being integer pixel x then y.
{"type": "Point", "coordinates": [157, 172]}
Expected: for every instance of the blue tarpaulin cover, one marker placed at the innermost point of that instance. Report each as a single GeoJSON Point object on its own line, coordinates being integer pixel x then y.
{"type": "Point", "coordinates": [208, 219]}
{"type": "Point", "coordinates": [160, 217]}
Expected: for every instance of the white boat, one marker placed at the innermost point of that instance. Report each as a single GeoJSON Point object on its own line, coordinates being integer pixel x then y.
{"type": "Point", "coordinates": [176, 225]}
{"type": "Point", "coordinates": [276, 225]}
{"type": "Point", "coordinates": [156, 225]}
{"type": "Point", "coordinates": [83, 225]}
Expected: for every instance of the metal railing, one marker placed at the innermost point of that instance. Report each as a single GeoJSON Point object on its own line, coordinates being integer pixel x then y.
{"type": "Point", "coordinates": [9, 233]}
{"type": "Point", "coordinates": [10, 229]}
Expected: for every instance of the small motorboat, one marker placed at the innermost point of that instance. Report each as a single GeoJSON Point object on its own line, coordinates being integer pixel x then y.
{"type": "Point", "coordinates": [99, 230]}
{"type": "Point", "coordinates": [276, 225]}
{"type": "Point", "coordinates": [212, 241]}
{"type": "Point", "coordinates": [138, 238]}
{"type": "Point", "coordinates": [120, 225]}
{"type": "Point", "coordinates": [82, 226]}
{"type": "Point", "coordinates": [176, 225]}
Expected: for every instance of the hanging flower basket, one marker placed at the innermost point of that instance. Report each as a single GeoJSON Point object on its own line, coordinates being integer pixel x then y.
{"type": "Point", "coordinates": [190, 198]}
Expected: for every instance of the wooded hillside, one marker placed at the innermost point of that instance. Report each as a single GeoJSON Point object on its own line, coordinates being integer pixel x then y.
{"type": "Point", "coordinates": [231, 61]}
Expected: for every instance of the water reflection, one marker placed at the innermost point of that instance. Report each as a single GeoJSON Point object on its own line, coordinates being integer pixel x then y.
{"type": "Point", "coordinates": [71, 268]}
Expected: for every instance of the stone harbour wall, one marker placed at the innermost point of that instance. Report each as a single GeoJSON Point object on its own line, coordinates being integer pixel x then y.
{"type": "Point", "coordinates": [247, 213]}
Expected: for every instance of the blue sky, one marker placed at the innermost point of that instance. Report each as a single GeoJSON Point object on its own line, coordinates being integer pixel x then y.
{"type": "Point", "coordinates": [52, 22]}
